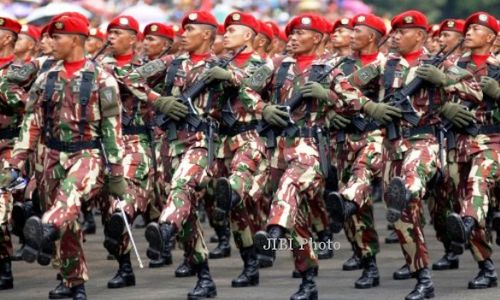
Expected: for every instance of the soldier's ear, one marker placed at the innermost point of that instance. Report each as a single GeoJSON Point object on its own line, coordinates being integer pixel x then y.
{"type": "Point", "coordinates": [490, 38]}
{"type": "Point", "coordinates": [317, 38]}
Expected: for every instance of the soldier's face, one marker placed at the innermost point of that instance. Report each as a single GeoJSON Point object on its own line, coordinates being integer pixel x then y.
{"type": "Point", "coordinates": [478, 36]}
{"type": "Point", "coordinates": [121, 41]}
{"type": "Point", "coordinates": [193, 37]}
{"type": "Point", "coordinates": [361, 37]}
{"type": "Point", "coordinates": [448, 39]}
{"type": "Point", "coordinates": [64, 45]}
{"type": "Point", "coordinates": [218, 47]}
{"type": "Point", "coordinates": [155, 45]}
{"type": "Point", "coordinates": [5, 38]}
{"type": "Point", "coordinates": [92, 45]}
{"type": "Point", "coordinates": [236, 36]}
{"type": "Point", "coordinates": [304, 41]}
{"type": "Point", "coordinates": [46, 45]}
{"type": "Point", "coordinates": [407, 40]}
{"type": "Point", "coordinates": [24, 44]}
{"type": "Point", "coordinates": [342, 37]}
{"type": "Point", "coordinates": [497, 41]}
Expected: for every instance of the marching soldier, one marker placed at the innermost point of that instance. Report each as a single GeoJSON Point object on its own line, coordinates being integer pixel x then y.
{"type": "Point", "coordinates": [158, 39]}
{"type": "Point", "coordinates": [72, 126]}
{"type": "Point", "coordinates": [26, 45]}
{"type": "Point", "coordinates": [95, 42]}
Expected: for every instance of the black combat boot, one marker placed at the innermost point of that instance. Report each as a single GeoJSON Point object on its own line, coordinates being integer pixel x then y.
{"type": "Point", "coordinates": [20, 213]}
{"type": "Point", "coordinates": [40, 241]}
{"type": "Point", "coordinates": [223, 248]}
{"type": "Point", "coordinates": [266, 240]}
{"type": "Point", "coordinates": [213, 239]}
{"type": "Point", "coordinates": [353, 263]}
{"type": "Point", "coordinates": [459, 230]}
{"type": "Point", "coordinates": [125, 275]}
{"type": "Point", "coordinates": [487, 276]}
{"type": "Point", "coordinates": [88, 226]}
{"type": "Point", "coordinates": [6, 278]}
{"type": "Point", "coordinates": [185, 269]}
{"type": "Point", "coordinates": [250, 274]}
{"type": "Point", "coordinates": [18, 255]}
{"type": "Point", "coordinates": [370, 277]}
{"type": "Point", "coordinates": [392, 237]}
{"type": "Point", "coordinates": [296, 273]}
{"type": "Point", "coordinates": [154, 234]}
{"type": "Point", "coordinates": [61, 291]}
{"type": "Point", "coordinates": [325, 237]}
{"type": "Point", "coordinates": [496, 225]}
{"type": "Point", "coordinates": [225, 199]}
{"type": "Point", "coordinates": [78, 292]}
{"type": "Point", "coordinates": [205, 286]}
{"type": "Point", "coordinates": [403, 273]}
{"type": "Point", "coordinates": [448, 262]}
{"type": "Point", "coordinates": [397, 199]}
{"type": "Point", "coordinates": [424, 289]}
{"type": "Point", "coordinates": [340, 210]}
{"type": "Point", "coordinates": [307, 289]}
{"type": "Point", "coordinates": [113, 233]}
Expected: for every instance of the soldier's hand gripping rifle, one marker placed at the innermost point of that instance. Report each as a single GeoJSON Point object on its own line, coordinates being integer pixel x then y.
{"type": "Point", "coordinates": [270, 132]}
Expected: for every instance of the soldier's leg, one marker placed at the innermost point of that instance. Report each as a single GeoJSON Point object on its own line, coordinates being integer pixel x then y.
{"type": "Point", "coordinates": [6, 278]}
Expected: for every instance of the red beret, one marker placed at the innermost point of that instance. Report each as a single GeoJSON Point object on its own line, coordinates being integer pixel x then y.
{"type": "Point", "coordinates": [328, 24]}
{"type": "Point", "coordinates": [124, 22]}
{"type": "Point", "coordinates": [68, 25]}
{"type": "Point", "coordinates": [433, 30]}
{"type": "Point", "coordinates": [239, 18]}
{"type": "Point", "coordinates": [484, 19]}
{"type": "Point", "coordinates": [177, 30]}
{"type": "Point", "coordinates": [71, 14]}
{"type": "Point", "coordinates": [199, 17]}
{"type": "Point", "coordinates": [160, 30]}
{"type": "Point", "coordinates": [410, 19]}
{"type": "Point", "coordinates": [31, 31]}
{"type": "Point", "coordinates": [456, 25]}
{"type": "Point", "coordinates": [266, 30]}
{"type": "Point", "coordinates": [221, 29]}
{"type": "Point", "coordinates": [371, 21]}
{"type": "Point", "coordinates": [10, 25]}
{"type": "Point", "coordinates": [98, 34]}
{"type": "Point", "coordinates": [343, 22]}
{"type": "Point", "coordinates": [308, 22]}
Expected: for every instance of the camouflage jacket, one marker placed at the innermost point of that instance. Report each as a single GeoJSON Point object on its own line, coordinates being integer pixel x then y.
{"type": "Point", "coordinates": [65, 118]}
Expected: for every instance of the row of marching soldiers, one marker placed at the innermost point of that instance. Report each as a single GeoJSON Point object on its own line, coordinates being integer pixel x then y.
{"type": "Point", "coordinates": [259, 134]}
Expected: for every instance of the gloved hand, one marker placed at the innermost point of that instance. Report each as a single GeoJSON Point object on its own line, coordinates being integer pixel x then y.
{"type": "Point", "coordinates": [432, 74]}
{"type": "Point", "coordinates": [314, 90]}
{"type": "Point", "coordinates": [382, 112]}
{"type": "Point", "coordinates": [217, 73]}
{"type": "Point", "coordinates": [275, 116]}
{"type": "Point", "coordinates": [339, 122]}
{"type": "Point", "coordinates": [457, 114]}
{"type": "Point", "coordinates": [116, 186]}
{"type": "Point", "coordinates": [171, 107]}
{"type": "Point", "coordinates": [7, 176]}
{"type": "Point", "coordinates": [490, 87]}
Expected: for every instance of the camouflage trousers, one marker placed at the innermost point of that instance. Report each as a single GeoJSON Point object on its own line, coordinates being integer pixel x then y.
{"type": "Point", "coordinates": [66, 189]}
{"type": "Point", "coordinates": [189, 178]}
{"type": "Point", "coordinates": [417, 168]}
{"type": "Point", "coordinates": [5, 238]}
{"type": "Point", "coordinates": [299, 186]}
{"type": "Point", "coordinates": [358, 176]}
{"type": "Point", "coordinates": [248, 169]}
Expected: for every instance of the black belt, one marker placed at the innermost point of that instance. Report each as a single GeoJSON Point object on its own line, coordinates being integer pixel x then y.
{"type": "Point", "coordinates": [371, 126]}
{"type": "Point", "coordinates": [71, 146]}
{"type": "Point", "coordinates": [303, 132]}
{"type": "Point", "coordinates": [9, 133]}
{"type": "Point", "coordinates": [238, 128]}
{"type": "Point", "coordinates": [134, 130]}
{"type": "Point", "coordinates": [203, 127]}
{"type": "Point", "coordinates": [412, 131]}
{"type": "Point", "coordinates": [489, 129]}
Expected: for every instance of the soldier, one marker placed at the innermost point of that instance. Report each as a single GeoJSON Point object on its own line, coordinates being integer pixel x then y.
{"type": "Point", "coordinates": [478, 156]}
{"type": "Point", "coordinates": [72, 127]}
{"type": "Point", "coordinates": [341, 41]}
{"type": "Point", "coordinates": [360, 155]}
{"type": "Point", "coordinates": [412, 147]}
{"type": "Point", "coordinates": [9, 30]}
{"type": "Point", "coordinates": [242, 147]}
{"type": "Point", "coordinates": [301, 146]}
{"type": "Point", "coordinates": [279, 41]}
{"type": "Point", "coordinates": [95, 42]}
{"type": "Point", "coordinates": [158, 39]}
{"type": "Point", "coordinates": [263, 41]}
{"type": "Point", "coordinates": [26, 45]}
{"type": "Point", "coordinates": [189, 146]}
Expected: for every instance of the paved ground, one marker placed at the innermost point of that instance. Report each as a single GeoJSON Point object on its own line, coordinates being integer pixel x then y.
{"type": "Point", "coordinates": [33, 281]}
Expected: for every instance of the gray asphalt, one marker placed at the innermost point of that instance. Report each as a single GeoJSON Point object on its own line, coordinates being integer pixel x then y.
{"type": "Point", "coordinates": [34, 282]}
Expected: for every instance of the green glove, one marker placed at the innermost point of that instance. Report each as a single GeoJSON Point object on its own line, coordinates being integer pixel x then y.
{"type": "Point", "coordinates": [217, 73]}
{"type": "Point", "coordinates": [432, 74]}
{"type": "Point", "coordinates": [457, 114]}
{"type": "Point", "coordinates": [116, 186]}
{"type": "Point", "coordinates": [490, 87]}
{"type": "Point", "coordinates": [7, 176]}
{"type": "Point", "coordinates": [382, 112]}
{"type": "Point", "coordinates": [275, 116]}
{"type": "Point", "coordinates": [339, 122]}
{"type": "Point", "coordinates": [171, 107]}
{"type": "Point", "coordinates": [314, 90]}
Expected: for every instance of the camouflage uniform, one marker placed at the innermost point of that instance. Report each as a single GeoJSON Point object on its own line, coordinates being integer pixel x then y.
{"type": "Point", "coordinates": [71, 177]}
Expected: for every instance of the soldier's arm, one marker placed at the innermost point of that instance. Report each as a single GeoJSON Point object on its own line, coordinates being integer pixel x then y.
{"type": "Point", "coordinates": [111, 128]}
{"type": "Point", "coordinates": [346, 99]}
{"type": "Point", "coordinates": [13, 95]}
{"type": "Point", "coordinates": [137, 80]}
{"type": "Point", "coordinates": [461, 85]}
